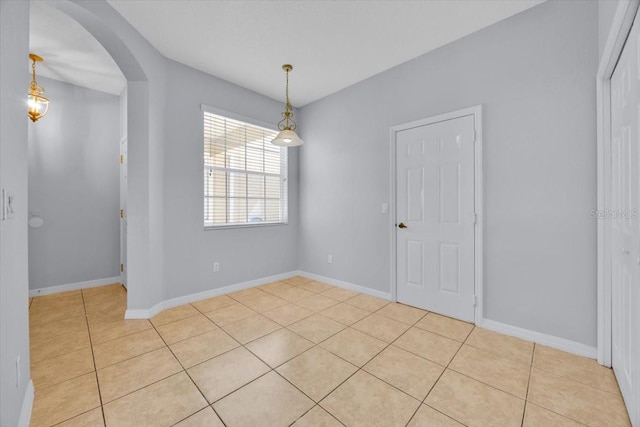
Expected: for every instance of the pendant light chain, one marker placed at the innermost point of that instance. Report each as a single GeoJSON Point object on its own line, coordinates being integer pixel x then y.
{"type": "Point", "coordinates": [288, 105]}
{"type": "Point", "coordinates": [287, 122]}
{"type": "Point", "coordinates": [34, 82]}
{"type": "Point", "coordinates": [287, 136]}
{"type": "Point", "coordinates": [287, 92]}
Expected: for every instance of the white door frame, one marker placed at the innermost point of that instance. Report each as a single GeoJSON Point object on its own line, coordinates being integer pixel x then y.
{"type": "Point", "coordinates": [476, 111]}
{"type": "Point", "coordinates": [622, 22]}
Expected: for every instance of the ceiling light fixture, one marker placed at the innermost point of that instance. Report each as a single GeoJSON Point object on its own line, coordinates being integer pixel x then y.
{"type": "Point", "coordinates": [287, 137]}
{"type": "Point", "coordinates": [38, 104]}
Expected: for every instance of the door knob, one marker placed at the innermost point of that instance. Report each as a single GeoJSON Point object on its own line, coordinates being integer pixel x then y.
{"type": "Point", "coordinates": [401, 225]}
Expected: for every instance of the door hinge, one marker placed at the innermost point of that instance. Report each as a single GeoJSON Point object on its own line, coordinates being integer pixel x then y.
{"type": "Point", "coordinates": [121, 213]}
{"type": "Point", "coordinates": [121, 159]}
{"type": "Point", "coordinates": [121, 268]}
{"type": "Point", "coordinates": [475, 300]}
{"type": "Point", "coordinates": [475, 217]}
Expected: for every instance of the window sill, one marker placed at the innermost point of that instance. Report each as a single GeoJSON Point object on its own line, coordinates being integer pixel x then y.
{"type": "Point", "coordinates": [248, 225]}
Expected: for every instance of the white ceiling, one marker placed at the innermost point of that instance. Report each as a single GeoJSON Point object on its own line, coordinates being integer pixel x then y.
{"type": "Point", "coordinates": [331, 44]}
{"type": "Point", "coordinates": [71, 54]}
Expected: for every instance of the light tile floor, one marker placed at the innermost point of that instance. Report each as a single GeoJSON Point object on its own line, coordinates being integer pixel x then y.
{"type": "Point", "coordinates": [303, 353]}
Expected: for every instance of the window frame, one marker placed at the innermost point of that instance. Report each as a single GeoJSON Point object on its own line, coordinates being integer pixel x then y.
{"type": "Point", "coordinates": [284, 185]}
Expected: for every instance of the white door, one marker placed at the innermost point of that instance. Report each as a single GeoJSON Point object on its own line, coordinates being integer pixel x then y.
{"type": "Point", "coordinates": [625, 225]}
{"type": "Point", "coordinates": [435, 217]}
{"type": "Point", "coordinates": [124, 143]}
{"type": "Point", "coordinates": [123, 212]}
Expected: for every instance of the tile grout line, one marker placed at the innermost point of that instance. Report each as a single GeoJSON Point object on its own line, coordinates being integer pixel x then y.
{"type": "Point", "coordinates": [472, 378]}
{"type": "Point", "coordinates": [447, 367]}
{"type": "Point", "coordinates": [485, 383]}
{"type": "Point", "coordinates": [482, 382]}
{"type": "Point", "coordinates": [439, 376]}
{"type": "Point", "coordinates": [69, 378]}
{"type": "Point", "coordinates": [316, 405]}
{"type": "Point", "coordinates": [274, 369]}
{"type": "Point", "coordinates": [286, 327]}
{"type": "Point", "coordinates": [125, 360]}
{"type": "Point", "coordinates": [281, 326]}
{"type": "Point", "coordinates": [184, 369]}
{"type": "Point", "coordinates": [544, 407]}
{"type": "Point", "coordinates": [239, 345]}
{"type": "Point", "coordinates": [132, 357]}
{"type": "Point", "coordinates": [526, 396]}
{"type": "Point", "coordinates": [93, 357]}
{"type": "Point", "coordinates": [121, 336]}
{"type": "Point", "coordinates": [192, 380]}
{"type": "Point", "coordinates": [531, 367]}
{"type": "Point", "coordinates": [582, 384]}
{"type": "Point", "coordinates": [361, 368]}
{"type": "Point", "coordinates": [271, 369]}
{"type": "Point", "coordinates": [82, 349]}
{"type": "Point", "coordinates": [412, 325]}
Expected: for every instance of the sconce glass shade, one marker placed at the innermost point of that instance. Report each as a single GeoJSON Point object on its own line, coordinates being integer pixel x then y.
{"type": "Point", "coordinates": [38, 106]}
{"type": "Point", "coordinates": [287, 138]}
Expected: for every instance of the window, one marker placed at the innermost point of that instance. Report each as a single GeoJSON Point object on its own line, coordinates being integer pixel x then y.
{"type": "Point", "coordinates": [244, 174]}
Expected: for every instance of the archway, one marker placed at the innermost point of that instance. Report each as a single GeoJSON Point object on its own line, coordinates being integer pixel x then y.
{"type": "Point", "coordinates": [141, 65]}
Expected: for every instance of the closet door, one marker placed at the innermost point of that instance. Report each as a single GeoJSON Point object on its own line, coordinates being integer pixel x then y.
{"type": "Point", "coordinates": [625, 224]}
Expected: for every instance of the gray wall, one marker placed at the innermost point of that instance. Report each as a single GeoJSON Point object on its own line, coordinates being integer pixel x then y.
{"type": "Point", "coordinates": [190, 251]}
{"type": "Point", "coordinates": [144, 69]}
{"type": "Point", "coordinates": [74, 187]}
{"type": "Point", "coordinates": [165, 167]}
{"type": "Point", "coordinates": [534, 76]}
{"type": "Point", "coordinates": [174, 254]}
{"type": "Point", "coordinates": [606, 12]}
{"type": "Point", "coordinates": [14, 281]}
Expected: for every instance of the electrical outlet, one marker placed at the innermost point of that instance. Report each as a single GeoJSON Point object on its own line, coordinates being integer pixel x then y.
{"type": "Point", "coordinates": [18, 369]}
{"type": "Point", "coordinates": [216, 267]}
{"type": "Point", "coordinates": [385, 208]}
{"type": "Point", "coordinates": [330, 259]}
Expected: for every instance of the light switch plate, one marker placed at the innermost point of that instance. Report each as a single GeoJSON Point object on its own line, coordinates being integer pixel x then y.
{"type": "Point", "coordinates": [7, 205]}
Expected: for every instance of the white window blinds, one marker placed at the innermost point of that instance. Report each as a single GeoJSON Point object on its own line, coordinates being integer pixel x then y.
{"type": "Point", "coordinates": [244, 174]}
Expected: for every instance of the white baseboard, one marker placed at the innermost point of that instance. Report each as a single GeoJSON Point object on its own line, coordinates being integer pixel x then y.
{"type": "Point", "coordinates": [346, 285]}
{"type": "Point", "coordinates": [174, 302]}
{"type": "Point", "coordinates": [540, 338]}
{"type": "Point", "coordinates": [186, 299]}
{"type": "Point", "coordinates": [526, 334]}
{"type": "Point", "coordinates": [74, 286]}
{"type": "Point", "coordinates": [27, 405]}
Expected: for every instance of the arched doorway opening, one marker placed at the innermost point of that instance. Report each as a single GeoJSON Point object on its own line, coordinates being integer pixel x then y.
{"type": "Point", "coordinates": [137, 61]}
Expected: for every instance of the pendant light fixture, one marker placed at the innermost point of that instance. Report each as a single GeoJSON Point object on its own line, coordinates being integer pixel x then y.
{"type": "Point", "coordinates": [38, 104]}
{"type": "Point", "coordinates": [287, 137]}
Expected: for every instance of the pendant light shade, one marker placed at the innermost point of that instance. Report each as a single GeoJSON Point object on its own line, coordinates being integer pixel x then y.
{"type": "Point", "coordinates": [287, 137]}
{"type": "Point", "coordinates": [38, 105]}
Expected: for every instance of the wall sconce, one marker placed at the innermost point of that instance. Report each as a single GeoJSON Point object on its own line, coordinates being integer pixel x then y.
{"type": "Point", "coordinates": [38, 104]}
